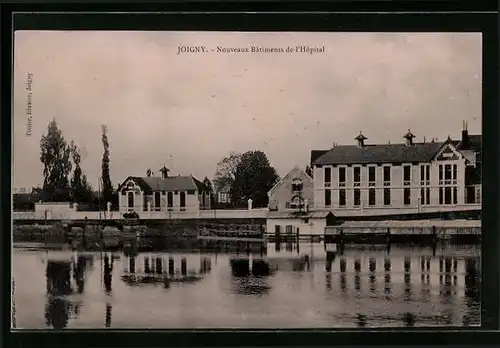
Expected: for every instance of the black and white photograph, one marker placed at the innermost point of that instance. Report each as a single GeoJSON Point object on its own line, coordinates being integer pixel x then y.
{"type": "Point", "coordinates": [246, 180]}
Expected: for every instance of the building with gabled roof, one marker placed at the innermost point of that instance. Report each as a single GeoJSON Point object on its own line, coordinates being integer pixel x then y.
{"type": "Point", "coordinates": [293, 191]}
{"type": "Point", "coordinates": [164, 193]}
{"type": "Point", "coordinates": [409, 174]}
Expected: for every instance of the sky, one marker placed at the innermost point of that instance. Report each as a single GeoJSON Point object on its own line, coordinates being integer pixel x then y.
{"type": "Point", "coordinates": [187, 111]}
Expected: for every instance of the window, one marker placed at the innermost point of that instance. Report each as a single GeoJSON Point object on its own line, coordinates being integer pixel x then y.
{"type": "Point", "coordinates": [441, 195]}
{"type": "Point", "coordinates": [387, 176]}
{"type": "Point", "coordinates": [357, 197]}
{"type": "Point", "coordinates": [130, 199]}
{"type": "Point", "coordinates": [407, 196]}
{"type": "Point", "coordinates": [170, 199]}
{"type": "Point", "coordinates": [447, 172]}
{"type": "Point", "coordinates": [342, 200]}
{"type": "Point", "coordinates": [328, 198]}
{"type": "Point", "coordinates": [455, 195]}
{"type": "Point", "coordinates": [287, 205]}
{"type": "Point", "coordinates": [387, 196]}
{"type": "Point", "coordinates": [371, 174]}
{"type": "Point", "coordinates": [454, 172]}
{"type": "Point", "coordinates": [328, 176]}
{"type": "Point", "coordinates": [341, 176]}
{"type": "Point", "coordinates": [422, 173]}
{"type": "Point", "coordinates": [371, 196]}
{"type": "Point", "coordinates": [190, 192]}
{"type": "Point", "coordinates": [157, 199]}
{"type": "Point", "coordinates": [427, 172]}
{"type": "Point", "coordinates": [425, 195]}
{"type": "Point", "coordinates": [357, 175]}
{"type": "Point", "coordinates": [447, 195]}
{"type": "Point", "coordinates": [183, 199]}
{"type": "Point", "coordinates": [406, 175]}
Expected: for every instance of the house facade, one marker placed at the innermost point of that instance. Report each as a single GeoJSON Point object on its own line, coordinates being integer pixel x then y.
{"type": "Point", "coordinates": [398, 175]}
{"type": "Point", "coordinates": [293, 192]}
{"type": "Point", "coordinates": [165, 193]}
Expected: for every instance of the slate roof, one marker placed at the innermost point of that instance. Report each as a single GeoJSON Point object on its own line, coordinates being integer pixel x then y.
{"type": "Point", "coordinates": [387, 153]}
{"type": "Point", "coordinates": [173, 183]}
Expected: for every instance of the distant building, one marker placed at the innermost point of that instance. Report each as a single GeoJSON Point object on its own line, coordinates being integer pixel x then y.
{"type": "Point", "coordinates": [165, 193]}
{"type": "Point", "coordinates": [293, 192]}
{"type": "Point", "coordinates": [223, 195]}
{"type": "Point", "coordinates": [398, 175]}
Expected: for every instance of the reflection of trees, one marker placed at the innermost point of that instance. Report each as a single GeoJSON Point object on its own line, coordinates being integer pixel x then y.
{"type": "Point", "coordinates": [57, 313]}
{"type": "Point", "coordinates": [108, 273]}
{"type": "Point", "coordinates": [108, 315]}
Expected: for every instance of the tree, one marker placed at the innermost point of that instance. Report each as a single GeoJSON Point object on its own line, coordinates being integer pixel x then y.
{"type": "Point", "coordinates": [55, 157]}
{"type": "Point", "coordinates": [226, 170]}
{"type": "Point", "coordinates": [309, 171]}
{"type": "Point", "coordinates": [210, 189]}
{"type": "Point", "coordinates": [80, 189]}
{"type": "Point", "coordinates": [254, 177]}
{"type": "Point", "coordinates": [107, 187]}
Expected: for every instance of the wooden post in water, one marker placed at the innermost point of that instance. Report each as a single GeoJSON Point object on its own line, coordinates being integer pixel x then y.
{"type": "Point", "coordinates": [387, 265]}
{"type": "Point", "coordinates": [132, 265]}
{"type": "Point", "coordinates": [373, 264]}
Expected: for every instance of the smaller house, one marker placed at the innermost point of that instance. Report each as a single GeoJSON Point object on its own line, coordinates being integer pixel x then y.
{"type": "Point", "coordinates": [294, 192]}
{"type": "Point", "coordinates": [165, 193]}
{"type": "Point", "coordinates": [223, 195]}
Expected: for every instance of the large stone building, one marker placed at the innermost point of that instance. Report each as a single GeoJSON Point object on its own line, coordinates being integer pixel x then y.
{"type": "Point", "coordinates": [404, 175]}
{"type": "Point", "coordinates": [165, 193]}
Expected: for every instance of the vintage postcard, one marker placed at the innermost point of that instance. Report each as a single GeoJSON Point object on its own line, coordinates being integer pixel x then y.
{"type": "Point", "coordinates": [170, 179]}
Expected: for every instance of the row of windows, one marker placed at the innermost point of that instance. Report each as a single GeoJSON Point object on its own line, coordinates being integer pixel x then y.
{"type": "Point", "coordinates": [447, 195]}
{"type": "Point", "coordinates": [448, 170]}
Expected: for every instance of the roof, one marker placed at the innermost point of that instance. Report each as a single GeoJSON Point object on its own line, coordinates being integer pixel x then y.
{"type": "Point", "coordinates": [173, 183]}
{"type": "Point", "coordinates": [387, 153]}
{"type": "Point", "coordinates": [295, 169]}
{"type": "Point", "coordinates": [315, 154]}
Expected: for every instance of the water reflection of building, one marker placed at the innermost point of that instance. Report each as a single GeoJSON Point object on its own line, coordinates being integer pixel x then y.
{"type": "Point", "coordinates": [410, 280]}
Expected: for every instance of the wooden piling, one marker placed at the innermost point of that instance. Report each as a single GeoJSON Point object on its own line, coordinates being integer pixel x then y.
{"type": "Point", "coordinates": [343, 265]}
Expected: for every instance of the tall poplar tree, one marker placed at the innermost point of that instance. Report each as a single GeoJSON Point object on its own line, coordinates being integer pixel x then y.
{"type": "Point", "coordinates": [55, 157]}
{"type": "Point", "coordinates": [107, 187]}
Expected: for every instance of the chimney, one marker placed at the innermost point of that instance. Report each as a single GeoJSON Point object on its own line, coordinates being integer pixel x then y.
{"type": "Point", "coordinates": [361, 139]}
{"type": "Point", "coordinates": [465, 135]}
{"type": "Point", "coordinates": [409, 138]}
{"type": "Point", "coordinates": [148, 173]}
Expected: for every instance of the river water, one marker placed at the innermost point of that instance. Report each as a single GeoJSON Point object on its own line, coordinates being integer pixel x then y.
{"type": "Point", "coordinates": [365, 287]}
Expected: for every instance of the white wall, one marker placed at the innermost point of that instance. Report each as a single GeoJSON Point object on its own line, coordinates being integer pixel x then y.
{"type": "Point", "coordinates": [313, 226]}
